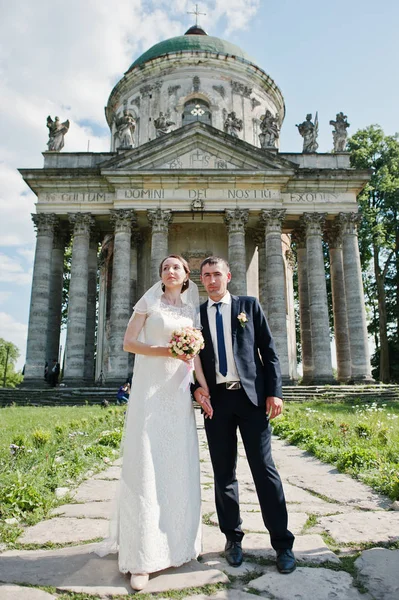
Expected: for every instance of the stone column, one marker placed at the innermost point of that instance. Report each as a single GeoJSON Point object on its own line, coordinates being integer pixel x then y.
{"type": "Point", "coordinates": [275, 295]}
{"type": "Point", "coordinates": [236, 221]}
{"type": "Point", "coordinates": [357, 324]}
{"type": "Point", "coordinates": [341, 332]}
{"type": "Point", "coordinates": [77, 303]}
{"type": "Point", "coordinates": [290, 265]}
{"type": "Point", "coordinates": [136, 239]}
{"type": "Point", "coordinates": [160, 220]}
{"type": "Point", "coordinates": [120, 294]}
{"type": "Point", "coordinates": [319, 322]}
{"type": "Point", "coordinates": [40, 300]}
{"type": "Point", "coordinates": [56, 287]}
{"type": "Point", "coordinates": [91, 310]}
{"type": "Point", "coordinates": [299, 237]}
{"type": "Point", "coordinates": [260, 242]}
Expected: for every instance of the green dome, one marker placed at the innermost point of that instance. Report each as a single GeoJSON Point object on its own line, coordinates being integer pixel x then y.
{"type": "Point", "coordinates": [192, 43]}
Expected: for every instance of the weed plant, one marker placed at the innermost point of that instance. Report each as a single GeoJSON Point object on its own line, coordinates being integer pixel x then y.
{"type": "Point", "coordinates": [361, 439]}
{"type": "Point", "coordinates": [42, 449]}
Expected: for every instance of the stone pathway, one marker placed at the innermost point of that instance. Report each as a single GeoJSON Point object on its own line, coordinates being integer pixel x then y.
{"type": "Point", "coordinates": [332, 516]}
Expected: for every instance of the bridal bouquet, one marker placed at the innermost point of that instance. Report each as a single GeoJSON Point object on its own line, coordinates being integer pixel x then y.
{"type": "Point", "coordinates": [187, 340]}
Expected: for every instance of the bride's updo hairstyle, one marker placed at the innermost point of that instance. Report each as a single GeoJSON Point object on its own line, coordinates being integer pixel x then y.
{"type": "Point", "coordinates": [183, 261]}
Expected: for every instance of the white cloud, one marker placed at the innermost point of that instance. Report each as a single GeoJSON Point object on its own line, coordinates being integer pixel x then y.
{"type": "Point", "coordinates": [13, 331]}
{"type": "Point", "coordinates": [4, 296]}
{"type": "Point", "coordinates": [11, 271]}
{"type": "Point", "coordinates": [63, 59]}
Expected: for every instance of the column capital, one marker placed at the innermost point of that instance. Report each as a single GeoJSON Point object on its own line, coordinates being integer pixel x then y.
{"type": "Point", "coordinates": [259, 237]}
{"type": "Point", "coordinates": [123, 219]}
{"type": "Point", "coordinates": [298, 237]}
{"type": "Point", "coordinates": [273, 219]}
{"type": "Point", "coordinates": [313, 223]}
{"type": "Point", "coordinates": [82, 223]}
{"type": "Point", "coordinates": [159, 219]}
{"type": "Point", "coordinates": [333, 235]}
{"type": "Point", "coordinates": [44, 223]}
{"type": "Point", "coordinates": [348, 222]}
{"type": "Point", "coordinates": [236, 219]}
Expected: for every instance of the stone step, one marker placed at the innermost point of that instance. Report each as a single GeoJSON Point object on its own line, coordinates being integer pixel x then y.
{"type": "Point", "coordinates": [64, 396]}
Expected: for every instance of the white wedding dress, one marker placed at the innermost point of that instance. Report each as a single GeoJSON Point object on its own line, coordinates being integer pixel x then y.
{"type": "Point", "coordinates": [159, 522]}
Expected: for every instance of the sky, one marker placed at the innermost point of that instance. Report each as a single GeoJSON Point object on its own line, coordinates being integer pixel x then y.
{"type": "Point", "coordinates": [63, 58]}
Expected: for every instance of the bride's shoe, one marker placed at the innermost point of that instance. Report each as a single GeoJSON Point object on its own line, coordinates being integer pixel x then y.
{"type": "Point", "coordinates": [139, 581]}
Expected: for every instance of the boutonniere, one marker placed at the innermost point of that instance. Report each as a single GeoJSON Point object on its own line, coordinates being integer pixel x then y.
{"type": "Point", "coordinates": [242, 317]}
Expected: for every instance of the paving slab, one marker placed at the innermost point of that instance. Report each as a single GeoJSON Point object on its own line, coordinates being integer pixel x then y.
{"type": "Point", "coordinates": [319, 508]}
{"type": "Point", "coordinates": [17, 592]}
{"type": "Point", "coordinates": [341, 488]}
{"type": "Point", "coordinates": [359, 527]}
{"type": "Point", "coordinates": [64, 531]}
{"type": "Point", "coordinates": [218, 562]}
{"type": "Point", "coordinates": [96, 491]}
{"type": "Point", "coordinates": [192, 574]}
{"type": "Point", "coordinates": [305, 583]}
{"type": "Point", "coordinates": [110, 473]}
{"type": "Point", "coordinates": [118, 462]}
{"type": "Point", "coordinates": [293, 493]}
{"type": "Point", "coordinates": [231, 594]}
{"type": "Point", "coordinates": [378, 571]}
{"type": "Point", "coordinates": [79, 569]}
{"type": "Point", "coordinates": [89, 510]}
{"type": "Point", "coordinates": [67, 567]}
{"type": "Point", "coordinates": [307, 548]}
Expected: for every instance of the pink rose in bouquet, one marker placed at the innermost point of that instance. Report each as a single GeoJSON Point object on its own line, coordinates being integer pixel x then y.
{"type": "Point", "coordinates": [187, 340]}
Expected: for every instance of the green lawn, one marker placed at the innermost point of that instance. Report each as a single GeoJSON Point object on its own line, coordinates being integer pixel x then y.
{"type": "Point", "coordinates": [361, 439]}
{"type": "Point", "coordinates": [45, 448]}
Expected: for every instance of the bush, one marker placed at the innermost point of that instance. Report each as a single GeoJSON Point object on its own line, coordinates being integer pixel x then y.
{"type": "Point", "coordinates": [40, 437]}
{"type": "Point", "coordinates": [111, 438]}
{"type": "Point", "coordinates": [363, 430]}
{"type": "Point", "coordinates": [356, 458]}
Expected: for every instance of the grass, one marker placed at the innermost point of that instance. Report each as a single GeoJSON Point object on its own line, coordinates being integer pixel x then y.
{"type": "Point", "coordinates": [361, 439]}
{"type": "Point", "coordinates": [42, 449]}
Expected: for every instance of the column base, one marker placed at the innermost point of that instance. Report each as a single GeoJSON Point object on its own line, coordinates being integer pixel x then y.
{"type": "Point", "coordinates": [361, 380]}
{"type": "Point", "coordinates": [324, 380]}
{"type": "Point", "coordinates": [287, 380]}
{"type": "Point", "coordinates": [34, 382]}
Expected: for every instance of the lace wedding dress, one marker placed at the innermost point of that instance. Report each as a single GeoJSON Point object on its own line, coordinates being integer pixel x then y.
{"type": "Point", "coordinates": [159, 522]}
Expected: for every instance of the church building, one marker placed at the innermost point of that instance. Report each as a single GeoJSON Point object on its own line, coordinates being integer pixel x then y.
{"type": "Point", "coordinates": [194, 168]}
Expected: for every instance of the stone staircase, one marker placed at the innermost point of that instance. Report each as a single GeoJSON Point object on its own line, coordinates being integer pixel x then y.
{"type": "Point", "coordinates": [64, 396]}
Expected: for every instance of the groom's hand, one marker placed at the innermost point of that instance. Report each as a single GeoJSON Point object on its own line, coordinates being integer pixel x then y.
{"type": "Point", "coordinates": [274, 406]}
{"type": "Point", "coordinates": [203, 398]}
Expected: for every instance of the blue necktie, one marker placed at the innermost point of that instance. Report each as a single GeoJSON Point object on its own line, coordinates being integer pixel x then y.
{"type": "Point", "coordinates": [221, 344]}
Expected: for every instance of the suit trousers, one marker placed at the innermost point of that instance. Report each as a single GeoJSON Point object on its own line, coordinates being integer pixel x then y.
{"type": "Point", "coordinates": [232, 410]}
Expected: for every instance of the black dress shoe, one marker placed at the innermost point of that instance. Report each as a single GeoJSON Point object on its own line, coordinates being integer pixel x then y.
{"type": "Point", "coordinates": [285, 561]}
{"type": "Point", "coordinates": [233, 553]}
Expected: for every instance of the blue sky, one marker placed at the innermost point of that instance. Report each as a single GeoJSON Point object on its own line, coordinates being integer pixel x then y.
{"type": "Point", "coordinates": [64, 58]}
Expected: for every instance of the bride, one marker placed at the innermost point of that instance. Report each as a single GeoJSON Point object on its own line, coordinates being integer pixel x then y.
{"type": "Point", "coordinates": [159, 506]}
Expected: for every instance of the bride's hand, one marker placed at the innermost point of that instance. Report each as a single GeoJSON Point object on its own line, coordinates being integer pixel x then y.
{"type": "Point", "coordinates": [202, 396]}
{"type": "Point", "coordinates": [184, 357]}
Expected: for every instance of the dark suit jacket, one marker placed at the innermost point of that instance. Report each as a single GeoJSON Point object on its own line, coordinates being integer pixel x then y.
{"type": "Point", "coordinates": [254, 351]}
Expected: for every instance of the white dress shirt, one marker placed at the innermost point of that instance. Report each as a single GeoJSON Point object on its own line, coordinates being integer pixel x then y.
{"type": "Point", "coordinates": [225, 309]}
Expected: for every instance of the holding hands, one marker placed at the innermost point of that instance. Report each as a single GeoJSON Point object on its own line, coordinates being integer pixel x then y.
{"type": "Point", "coordinates": [203, 398]}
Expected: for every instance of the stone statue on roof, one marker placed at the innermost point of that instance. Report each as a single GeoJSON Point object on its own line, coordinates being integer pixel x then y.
{"type": "Point", "coordinates": [57, 132]}
{"type": "Point", "coordinates": [340, 135]}
{"type": "Point", "coordinates": [125, 127]}
{"type": "Point", "coordinates": [270, 128]}
{"type": "Point", "coordinates": [309, 131]}
{"type": "Point", "coordinates": [162, 125]}
{"type": "Point", "coordinates": [232, 125]}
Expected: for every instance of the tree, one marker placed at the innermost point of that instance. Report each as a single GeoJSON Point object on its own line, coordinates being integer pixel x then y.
{"type": "Point", "coordinates": [9, 353]}
{"type": "Point", "coordinates": [379, 236]}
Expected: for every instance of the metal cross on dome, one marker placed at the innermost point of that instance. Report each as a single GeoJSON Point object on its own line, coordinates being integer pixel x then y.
{"type": "Point", "coordinates": [196, 13]}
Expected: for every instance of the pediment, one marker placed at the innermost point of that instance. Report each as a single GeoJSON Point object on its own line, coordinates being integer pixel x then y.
{"type": "Point", "coordinates": [197, 147]}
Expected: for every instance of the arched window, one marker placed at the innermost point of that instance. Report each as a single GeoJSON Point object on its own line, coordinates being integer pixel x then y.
{"type": "Point", "coordinates": [196, 110]}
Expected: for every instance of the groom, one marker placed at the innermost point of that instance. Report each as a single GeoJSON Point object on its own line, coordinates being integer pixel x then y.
{"type": "Point", "coordinates": [243, 374]}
